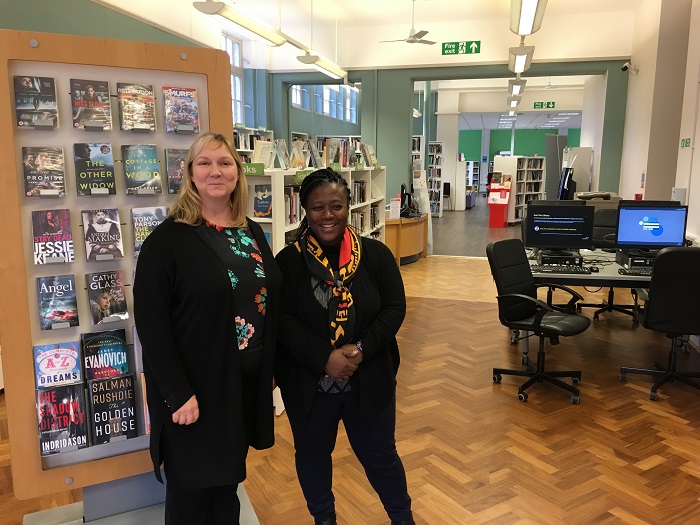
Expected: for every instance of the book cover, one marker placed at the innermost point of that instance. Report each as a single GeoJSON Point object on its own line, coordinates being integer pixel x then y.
{"type": "Point", "coordinates": [263, 152]}
{"type": "Point", "coordinates": [112, 402]}
{"type": "Point", "coordinates": [90, 101]}
{"type": "Point", "coordinates": [137, 108]}
{"type": "Point", "coordinates": [282, 154]}
{"type": "Point", "coordinates": [141, 169]}
{"type": "Point", "coordinates": [35, 101]}
{"type": "Point", "coordinates": [103, 234]}
{"type": "Point", "coordinates": [53, 236]}
{"type": "Point", "coordinates": [94, 168]}
{"type": "Point", "coordinates": [58, 307]}
{"type": "Point", "coordinates": [369, 156]}
{"type": "Point", "coordinates": [144, 221]}
{"type": "Point", "coordinates": [107, 296]}
{"type": "Point", "coordinates": [104, 354]}
{"type": "Point", "coordinates": [316, 160]}
{"type": "Point", "coordinates": [62, 418]}
{"type": "Point", "coordinates": [181, 108]}
{"type": "Point", "coordinates": [57, 364]}
{"type": "Point", "coordinates": [175, 166]}
{"type": "Point", "coordinates": [262, 200]}
{"type": "Point", "coordinates": [298, 157]}
{"type": "Point", "coordinates": [43, 171]}
{"type": "Point", "coordinates": [335, 151]}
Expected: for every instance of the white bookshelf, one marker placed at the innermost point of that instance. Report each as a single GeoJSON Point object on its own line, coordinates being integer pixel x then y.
{"type": "Point", "coordinates": [244, 140]}
{"type": "Point", "coordinates": [417, 143]}
{"type": "Point", "coordinates": [434, 173]}
{"type": "Point", "coordinates": [528, 182]}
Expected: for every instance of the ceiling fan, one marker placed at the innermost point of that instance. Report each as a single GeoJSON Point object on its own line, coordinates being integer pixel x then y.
{"type": "Point", "coordinates": [550, 85]}
{"type": "Point", "coordinates": [414, 37]}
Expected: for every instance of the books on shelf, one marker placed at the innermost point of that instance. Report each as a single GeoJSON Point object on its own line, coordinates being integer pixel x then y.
{"type": "Point", "coordinates": [107, 296]}
{"type": "Point", "coordinates": [282, 154]}
{"type": "Point", "coordinates": [103, 234]}
{"type": "Point", "coordinates": [35, 101]}
{"type": "Point", "coordinates": [181, 109]}
{"type": "Point", "coordinates": [262, 201]}
{"type": "Point", "coordinates": [264, 153]}
{"type": "Point", "coordinates": [298, 159]}
{"type": "Point", "coordinates": [62, 419]}
{"type": "Point", "coordinates": [52, 236]}
{"type": "Point", "coordinates": [94, 168]}
{"type": "Point", "coordinates": [57, 364]}
{"type": "Point", "coordinates": [90, 102]}
{"type": "Point", "coordinates": [369, 156]}
{"type": "Point", "coordinates": [141, 169]}
{"type": "Point", "coordinates": [104, 354]}
{"type": "Point", "coordinates": [56, 298]}
{"type": "Point", "coordinates": [112, 403]}
{"type": "Point", "coordinates": [315, 156]}
{"type": "Point", "coordinates": [43, 170]}
{"type": "Point", "coordinates": [144, 221]}
{"type": "Point", "coordinates": [175, 167]}
{"type": "Point", "coordinates": [137, 108]}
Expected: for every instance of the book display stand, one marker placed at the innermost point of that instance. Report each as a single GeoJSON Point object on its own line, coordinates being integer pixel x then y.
{"type": "Point", "coordinates": [63, 57]}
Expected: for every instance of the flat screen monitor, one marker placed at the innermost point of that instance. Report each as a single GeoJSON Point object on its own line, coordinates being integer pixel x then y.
{"type": "Point", "coordinates": [559, 228]}
{"type": "Point", "coordinates": [651, 227]}
{"type": "Point", "coordinates": [545, 202]}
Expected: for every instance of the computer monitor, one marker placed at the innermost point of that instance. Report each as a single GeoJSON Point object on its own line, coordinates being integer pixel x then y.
{"type": "Point", "coordinates": [556, 229]}
{"type": "Point", "coordinates": [544, 202]}
{"type": "Point", "coordinates": [651, 227]}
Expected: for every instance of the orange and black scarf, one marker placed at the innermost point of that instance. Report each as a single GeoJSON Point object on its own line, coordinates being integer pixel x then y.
{"type": "Point", "coordinates": [340, 306]}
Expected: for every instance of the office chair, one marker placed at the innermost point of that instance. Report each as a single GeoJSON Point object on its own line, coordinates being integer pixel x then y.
{"type": "Point", "coordinates": [604, 233]}
{"type": "Point", "coordinates": [671, 305]}
{"type": "Point", "coordinates": [446, 194]}
{"type": "Point", "coordinates": [519, 309]}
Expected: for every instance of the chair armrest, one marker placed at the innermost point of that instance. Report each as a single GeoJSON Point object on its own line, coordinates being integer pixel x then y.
{"type": "Point", "coordinates": [542, 307]}
{"type": "Point", "coordinates": [575, 296]}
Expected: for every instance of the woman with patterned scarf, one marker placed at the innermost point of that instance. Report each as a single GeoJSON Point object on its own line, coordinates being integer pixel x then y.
{"type": "Point", "coordinates": [342, 304]}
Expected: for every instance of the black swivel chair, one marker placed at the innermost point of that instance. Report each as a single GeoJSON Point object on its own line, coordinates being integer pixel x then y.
{"type": "Point", "coordinates": [671, 305]}
{"type": "Point", "coordinates": [519, 309]}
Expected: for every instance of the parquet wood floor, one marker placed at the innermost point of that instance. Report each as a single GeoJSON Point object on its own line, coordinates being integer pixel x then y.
{"type": "Point", "coordinates": [473, 453]}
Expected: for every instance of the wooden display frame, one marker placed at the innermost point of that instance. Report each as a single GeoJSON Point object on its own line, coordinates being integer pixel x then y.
{"type": "Point", "coordinates": [29, 479]}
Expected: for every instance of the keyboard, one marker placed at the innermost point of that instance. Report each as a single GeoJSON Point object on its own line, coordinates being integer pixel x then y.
{"type": "Point", "coordinates": [559, 268]}
{"type": "Point", "coordinates": [644, 270]}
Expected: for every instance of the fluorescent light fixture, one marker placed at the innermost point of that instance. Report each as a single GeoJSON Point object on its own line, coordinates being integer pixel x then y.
{"type": "Point", "coordinates": [326, 67]}
{"type": "Point", "coordinates": [417, 113]}
{"type": "Point", "coordinates": [526, 16]}
{"type": "Point", "coordinates": [268, 35]}
{"type": "Point", "coordinates": [516, 87]}
{"type": "Point", "coordinates": [511, 113]}
{"type": "Point", "coordinates": [513, 101]}
{"type": "Point", "coordinates": [519, 58]}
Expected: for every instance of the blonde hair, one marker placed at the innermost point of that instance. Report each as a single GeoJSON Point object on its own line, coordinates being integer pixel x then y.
{"type": "Point", "coordinates": [188, 206]}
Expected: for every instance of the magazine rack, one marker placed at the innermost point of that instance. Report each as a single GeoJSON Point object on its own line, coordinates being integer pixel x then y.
{"type": "Point", "coordinates": [50, 52]}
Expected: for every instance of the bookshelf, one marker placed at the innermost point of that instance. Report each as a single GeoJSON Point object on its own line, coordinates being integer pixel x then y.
{"type": "Point", "coordinates": [417, 143]}
{"type": "Point", "coordinates": [473, 168]}
{"type": "Point", "coordinates": [434, 174]}
{"type": "Point", "coordinates": [244, 140]}
{"type": "Point", "coordinates": [528, 182]}
{"type": "Point", "coordinates": [345, 145]}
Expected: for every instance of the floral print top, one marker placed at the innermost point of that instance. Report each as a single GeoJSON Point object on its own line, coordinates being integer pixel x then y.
{"type": "Point", "coordinates": [241, 255]}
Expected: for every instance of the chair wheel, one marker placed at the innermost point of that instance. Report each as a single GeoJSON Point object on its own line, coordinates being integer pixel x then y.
{"type": "Point", "coordinates": [575, 400]}
{"type": "Point", "coordinates": [653, 395]}
{"type": "Point", "coordinates": [497, 378]}
{"type": "Point", "coordinates": [623, 376]}
{"type": "Point", "coordinates": [522, 396]}
{"type": "Point", "coordinates": [525, 360]}
{"type": "Point", "coordinates": [514, 336]}
{"type": "Point", "coordinates": [596, 317]}
{"type": "Point", "coordinates": [575, 380]}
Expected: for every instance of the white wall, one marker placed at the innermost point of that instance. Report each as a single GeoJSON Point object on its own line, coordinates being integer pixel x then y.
{"type": "Point", "coordinates": [487, 101]}
{"type": "Point", "coordinates": [448, 133]}
{"type": "Point", "coordinates": [592, 119]}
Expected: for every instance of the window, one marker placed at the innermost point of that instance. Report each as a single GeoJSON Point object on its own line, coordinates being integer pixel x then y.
{"type": "Point", "coordinates": [326, 100]}
{"type": "Point", "coordinates": [351, 106]}
{"type": "Point", "coordinates": [296, 96]}
{"type": "Point", "coordinates": [233, 47]}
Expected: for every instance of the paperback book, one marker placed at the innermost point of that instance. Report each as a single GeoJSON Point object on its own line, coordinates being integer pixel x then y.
{"type": "Point", "coordinates": [58, 307]}
{"type": "Point", "coordinates": [141, 169]}
{"type": "Point", "coordinates": [53, 236]}
{"type": "Point", "coordinates": [57, 364]}
{"type": "Point", "coordinates": [104, 354]}
{"type": "Point", "coordinates": [298, 158]}
{"type": "Point", "coordinates": [316, 160]}
{"type": "Point", "coordinates": [144, 221]}
{"type": "Point", "coordinates": [62, 418]}
{"type": "Point", "coordinates": [181, 109]}
{"type": "Point", "coordinates": [43, 170]}
{"type": "Point", "coordinates": [369, 155]}
{"type": "Point", "coordinates": [94, 168]}
{"type": "Point", "coordinates": [107, 296]}
{"type": "Point", "coordinates": [282, 154]}
{"type": "Point", "coordinates": [112, 409]}
{"type": "Point", "coordinates": [137, 108]}
{"type": "Point", "coordinates": [262, 201]}
{"type": "Point", "coordinates": [90, 101]}
{"type": "Point", "coordinates": [175, 166]}
{"type": "Point", "coordinates": [264, 153]}
{"type": "Point", "coordinates": [103, 234]}
{"type": "Point", "coordinates": [35, 101]}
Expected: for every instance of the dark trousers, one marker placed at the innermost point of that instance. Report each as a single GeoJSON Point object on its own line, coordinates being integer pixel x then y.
{"type": "Point", "coordinates": [373, 444]}
{"type": "Point", "coordinates": [211, 506]}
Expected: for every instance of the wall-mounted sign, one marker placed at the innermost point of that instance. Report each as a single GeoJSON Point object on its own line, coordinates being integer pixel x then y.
{"type": "Point", "coordinates": [543, 105]}
{"type": "Point", "coordinates": [469, 47]}
{"type": "Point", "coordinates": [685, 143]}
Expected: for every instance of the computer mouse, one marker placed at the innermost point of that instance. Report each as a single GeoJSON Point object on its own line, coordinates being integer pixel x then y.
{"type": "Point", "coordinates": [594, 269]}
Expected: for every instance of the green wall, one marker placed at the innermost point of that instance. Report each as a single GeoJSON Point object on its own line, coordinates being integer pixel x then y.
{"type": "Point", "coordinates": [530, 142]}
{"type": "Point", "coordinates": [470, 144]}
{"type": "Point", "coordinates": [499, 140]}
{"type": "Point", "coordinates": [574, 138]}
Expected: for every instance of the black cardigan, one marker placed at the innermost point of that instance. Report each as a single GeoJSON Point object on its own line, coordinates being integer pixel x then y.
{"type": "Point", "coordinates": [183, 304]}
{"type": "Point", "coordinates": [304, 342]}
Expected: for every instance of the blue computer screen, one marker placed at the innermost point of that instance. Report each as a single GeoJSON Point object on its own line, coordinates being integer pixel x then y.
{"type": "Point", "coordinates": [651, 227]}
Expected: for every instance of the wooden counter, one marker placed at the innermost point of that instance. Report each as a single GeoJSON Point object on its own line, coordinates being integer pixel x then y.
{"type": "Point", "coordinates": [406, 237]}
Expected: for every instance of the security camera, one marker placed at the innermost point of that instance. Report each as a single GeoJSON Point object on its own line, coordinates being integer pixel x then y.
{"type": "Point", "coordinates": [626, 66]}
